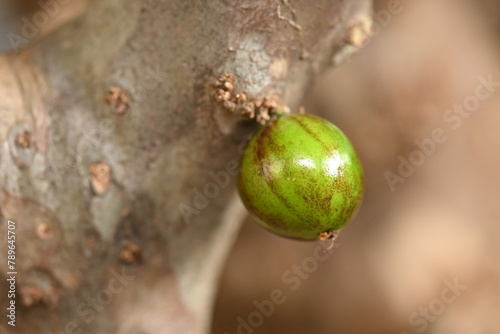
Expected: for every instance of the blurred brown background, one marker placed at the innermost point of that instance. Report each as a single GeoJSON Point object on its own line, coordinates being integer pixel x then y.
{"type": "Point", "coordinates": [440, 227]}
{"type": "Point", "coordinates": [424, 258]}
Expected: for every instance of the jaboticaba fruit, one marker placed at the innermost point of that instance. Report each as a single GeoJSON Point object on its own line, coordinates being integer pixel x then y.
{"type": "Point", "coordinates": [300, 177]}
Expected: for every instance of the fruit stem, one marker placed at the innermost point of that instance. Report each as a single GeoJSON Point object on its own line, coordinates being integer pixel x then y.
{"type": "Point", "coordinates": [329, 235]}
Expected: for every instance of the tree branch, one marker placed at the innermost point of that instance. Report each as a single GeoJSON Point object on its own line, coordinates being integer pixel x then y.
{"type": "Point", "coordinates": [128, 181]}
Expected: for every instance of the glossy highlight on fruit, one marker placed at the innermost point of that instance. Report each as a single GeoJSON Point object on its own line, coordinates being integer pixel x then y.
{"type": "Point", "coordinates": [300, 177]}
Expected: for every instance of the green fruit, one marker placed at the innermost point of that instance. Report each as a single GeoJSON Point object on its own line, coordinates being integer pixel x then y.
{"type": "Point", "coordinates": [300, 177]}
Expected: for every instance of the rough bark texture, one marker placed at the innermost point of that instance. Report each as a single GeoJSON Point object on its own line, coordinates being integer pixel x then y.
{"type": "Point", "coordinates": [109, 130]}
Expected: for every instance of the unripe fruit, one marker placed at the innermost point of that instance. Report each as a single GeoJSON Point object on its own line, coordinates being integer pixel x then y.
{"type": "Point", "coordinates": [300, 177]}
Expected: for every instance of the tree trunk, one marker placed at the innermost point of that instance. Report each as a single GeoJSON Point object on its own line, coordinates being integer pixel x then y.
{"type": "Point", "coordinates": [120, 144]}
